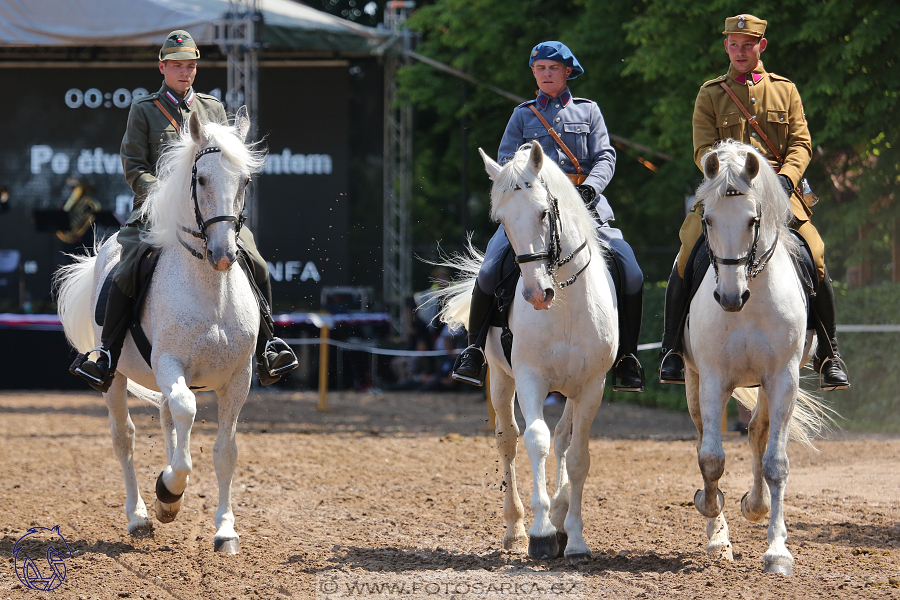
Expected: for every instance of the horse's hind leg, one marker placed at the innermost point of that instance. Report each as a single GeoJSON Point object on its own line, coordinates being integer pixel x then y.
{"type": "Point", "coordinates": [177, 414]}
{"type": "Point", "coordinates": [226, 539]}
{"type": "Point", "coordinates": [756, 503]}
{"type": "Point", "coordinates": [710, 501]}
{"type": "Point", "coordinates": [122, 430]}
{"type": "Point", "coordinates": [507, 433]}
{"type": "Point", "coordinates": [559, 503]}
{"type": "Point", "coordinates": [578, 463]}
{"type": "Point", "coordinates": [782, 395]}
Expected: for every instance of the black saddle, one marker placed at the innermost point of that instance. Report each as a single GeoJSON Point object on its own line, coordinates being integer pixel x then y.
{"type": "Point", "coordinates": [698, 263]}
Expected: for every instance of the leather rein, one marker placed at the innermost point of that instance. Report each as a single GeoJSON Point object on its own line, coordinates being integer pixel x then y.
{"type": "Point", "coordinates": [753, 265]}
{"type": "Point", "coordinates": [553, 251]}
{"type": "Point", "coordinates": [201, 224]}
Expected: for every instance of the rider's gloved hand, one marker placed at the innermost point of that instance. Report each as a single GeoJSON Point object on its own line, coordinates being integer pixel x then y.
{"type": "Point", "coordinates": [588, 193]}
{"type": "Point", "coordinates": [786, 183]}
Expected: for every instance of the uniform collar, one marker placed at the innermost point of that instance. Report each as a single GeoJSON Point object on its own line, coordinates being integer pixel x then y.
{"type": "Point", "coordinates": [543, 100]}
{"type": "Point", "coordinates": [173, 98]}
{"type": "Point", "coordinates": [757, 73]}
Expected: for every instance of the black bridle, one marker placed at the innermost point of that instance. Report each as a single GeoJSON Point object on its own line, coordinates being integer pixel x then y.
{"type": "Point", "coordinates": [753, 265]}
{"type": "Point", "coordinates": [201, 224]}
{"type": "Point", "coordinates": [554, 248]}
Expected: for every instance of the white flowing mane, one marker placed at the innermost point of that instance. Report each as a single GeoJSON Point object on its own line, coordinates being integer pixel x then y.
{"type": "Point", "coordinates": [765, 190]}
{"type": "Point", "coordinates": [168, 205]}
{"type": "Point", "coordinates": [571, 207]}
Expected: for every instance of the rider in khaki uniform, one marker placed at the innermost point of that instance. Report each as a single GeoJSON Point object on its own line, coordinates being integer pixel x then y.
{"type": "Point", "coordinates": [774, 103]}
{"type": "Point", "coordinates": [153, 121]}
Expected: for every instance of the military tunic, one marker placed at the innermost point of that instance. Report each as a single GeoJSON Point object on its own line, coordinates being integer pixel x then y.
{"type": "Point", "coordinates": [775, 102]}
{"type": "Point", "coordinates": [147, 132]}
{"type": "Point", "coordinates": [580, 124]}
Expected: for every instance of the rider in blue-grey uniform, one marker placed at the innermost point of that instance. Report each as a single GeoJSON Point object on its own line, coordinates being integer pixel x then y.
{"type": "Point", "coordinates": [581, 127]}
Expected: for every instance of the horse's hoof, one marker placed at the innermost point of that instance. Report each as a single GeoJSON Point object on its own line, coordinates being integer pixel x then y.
{"type": "Point", "coordinates": [515, 544]}
{"type": "Point", "coordinates": [562, 540]}
{"type": "Point", "coordinates": [748, 514]}
{"type": "Point", "coordinates": [780, 568]}
{"type": "Point", "coordinates": [141, 527]}
{"type": "Point", "coordinates": [542, 548]}
{"type": "Point", "coordinates": [163, 493]}
{"type": "Point", "coordinates": [228, 546]}
{"type": "Point", "coordinates": [700, 501]}
{"type": "Point", "coordinates": [166, 513]}
{"type": "Point", "coordinates": [581, 558]}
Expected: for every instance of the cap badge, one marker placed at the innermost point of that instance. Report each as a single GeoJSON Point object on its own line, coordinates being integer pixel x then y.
{"type": "Point", "coordinates": [179, 41]}
{"type": "Point", "coordinates": [741, 18]}
{"type": "Point", "coordinates": [741, 24]}
{"type": "Point", "coordinates": [534, 53]}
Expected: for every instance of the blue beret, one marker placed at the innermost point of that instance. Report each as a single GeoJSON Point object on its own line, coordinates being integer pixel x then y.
{"type": "Point", "coordinates": [560, 53]}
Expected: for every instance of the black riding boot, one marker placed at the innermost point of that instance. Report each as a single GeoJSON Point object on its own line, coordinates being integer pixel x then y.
{"type": "Point", "coordinates": [628, 373]}
{"type": "Point", "coordinates": [671, 367]}
{"type": "Point", "coordinates": [471, 365]}
{"type": "Point", "coordinates": [117, 319]}
{"type": "Point", "coordinates": [274, 357]}
{"type": "Point", "coordinates": [828, 360]}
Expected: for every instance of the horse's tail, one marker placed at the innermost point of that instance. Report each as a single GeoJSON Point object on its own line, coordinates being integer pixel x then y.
{"type": "Point", "coordinates": [454, 299]}
{"type": "Point", "coordinates": [812, 417]}
{"type": "Point", "coordinates": [142, 393]}
{"type": "Point", "coordinates": [74, 285]}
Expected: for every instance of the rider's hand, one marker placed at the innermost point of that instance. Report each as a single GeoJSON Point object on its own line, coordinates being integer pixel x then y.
{"type": "Point", "coordinates": [786, 183]}
{"type": "Point", "coordinates": [587, 192]}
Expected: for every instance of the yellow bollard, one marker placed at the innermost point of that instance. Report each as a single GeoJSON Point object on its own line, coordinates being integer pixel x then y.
{"type": "Point", "coordinates": [323, 369]}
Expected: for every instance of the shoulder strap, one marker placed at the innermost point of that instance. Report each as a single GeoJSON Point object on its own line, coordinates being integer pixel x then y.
{"type": "Point", "coordinates": [163, 110]}
{"type": "Point", "coordinates": [752, 121]}
{"type": "Point", "coordinates": [557, 139]}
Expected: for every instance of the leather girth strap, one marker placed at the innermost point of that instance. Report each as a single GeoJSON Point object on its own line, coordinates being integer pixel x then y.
{"type": "Point", "coordinates": [558, 140]}
{"type": "Point", "coordinates": [163, 110]}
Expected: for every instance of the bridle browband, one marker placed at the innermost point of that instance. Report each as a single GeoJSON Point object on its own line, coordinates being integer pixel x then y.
{"type": "Point", "coordinates": [553, 251]}
{"type": "Point", "coordinates": [201, 224]}
{"type": "Point", "coordinates": [753, 265]}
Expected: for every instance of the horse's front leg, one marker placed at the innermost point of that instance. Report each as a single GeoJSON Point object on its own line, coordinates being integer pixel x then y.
{"type": "Point", "coordinates": [578, 463]}
{"type": "Point", "coordinates": [122, 430]}
{"type": "Point", "coordinates": [231, 399]}
{"type": "Point", "coordinates": [782, 395]}
{"type": "Point", "coordinates": [755, 504]}
{"type": "Point", "coordinates": [531, 391]}
{"type": "Point", "coordinates": [559, 503]}
{"type": "Point", "coordinates": [710, 501]}
{"type": "Point", "coordinates": [507, 434]}
{"type": "Point", "coordinates": [178, 412]}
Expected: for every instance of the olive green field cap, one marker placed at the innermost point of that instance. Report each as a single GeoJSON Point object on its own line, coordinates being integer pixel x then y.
{"type": "Point", "coordinates": [179, 45]}
{"type": "Point", "coordinates": [746, 24]}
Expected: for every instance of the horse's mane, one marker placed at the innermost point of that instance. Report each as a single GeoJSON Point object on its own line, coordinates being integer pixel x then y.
{"type": "Point", "coordinates": [571, 206]}
{"type": "Point", "coordinates": [765, 190]}
{"type": "Point", "coordinates": [168, 205]}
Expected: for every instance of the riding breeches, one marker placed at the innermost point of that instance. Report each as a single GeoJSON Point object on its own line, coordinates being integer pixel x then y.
{"type": "Point", "coordinates": [129, 238]}
{"type": "Point", "coordinates": [489, 274]}
{"type": "Point", "coordinates": [692, 229]}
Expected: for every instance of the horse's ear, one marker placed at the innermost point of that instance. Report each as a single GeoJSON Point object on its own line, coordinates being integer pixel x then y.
{"type": "Point", "coordinates": [711, 165]}
{"type": "Point", "coordinates": [490, 165]}
{"type": "Point", "coordinates": [242, 122]}
{"type": "Point", "coordinates": [751, 167]}
{"type": "Point", "coordinates": [198, 131]}
{"type": "Point", "coordinates": [536, 158]}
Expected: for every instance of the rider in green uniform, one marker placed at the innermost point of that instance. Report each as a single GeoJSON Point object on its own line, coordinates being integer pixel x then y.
{"type": "Point", "coordinates": [153, 121]}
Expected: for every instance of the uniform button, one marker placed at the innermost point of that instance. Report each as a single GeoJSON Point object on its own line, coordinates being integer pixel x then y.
{"type": "Point", "coordinates": [753, 133]}
{"type": "Point", "coordinates": [557, 106]}
{"type": "Point", "coordinates": [562, 162]}
{"type": "Point", "coordinates": [725, 123]}
{"type": "Point", "coordinates": [782, 118]}
{"type": "Point", "coordinates": [558, 119]}
{"type": "Point", "coordinates": [753, 100]}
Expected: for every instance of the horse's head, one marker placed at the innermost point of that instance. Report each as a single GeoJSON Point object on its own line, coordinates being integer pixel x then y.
{"type": "Point", "coordinates": [522, 203]}
{"type": "Point", "coordinates": [219, 188]}
{"type": "Point", "coordinates": [742, 207]}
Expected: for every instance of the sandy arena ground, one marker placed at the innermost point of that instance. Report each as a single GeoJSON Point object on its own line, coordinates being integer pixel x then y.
{"type": "Point", "coordinates": [404, 487]}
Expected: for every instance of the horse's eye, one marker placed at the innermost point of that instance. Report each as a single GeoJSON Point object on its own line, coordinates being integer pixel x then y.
{"type": "Point", "coordinates": [544, 213]}
{"type": "Point", "coordinates": [247, 181]}
{"type": "Point", "coordinates": [201, 180]}
{"type": "Point", "coordinates": [517, 188]}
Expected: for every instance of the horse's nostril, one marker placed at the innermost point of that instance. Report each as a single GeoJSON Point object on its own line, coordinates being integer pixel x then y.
{"type": "Point", "coordinates": [744, 297]}
{"type": "Point", "coordinates": [548, 294]}
{"type": "Point", "coordinates": [717, 296]}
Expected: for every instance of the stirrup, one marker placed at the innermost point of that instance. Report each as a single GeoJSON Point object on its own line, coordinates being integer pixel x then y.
{"type": "Point", "coordinates": [99, 349]}
{"type": "Point", "coordinates": [622, 388]}
{"type": "Point", "coordinates": [471, 380]}
{"type": "Point", "coordinates": [659, 374]}
{"type": "Point", "coordinates": [275, 341]}
{"type": "Point", "coordinates": [828, 388]}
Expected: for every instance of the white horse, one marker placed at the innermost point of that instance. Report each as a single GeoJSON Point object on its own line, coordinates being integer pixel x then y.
{"type": "Point", "coordinates": [566, 342]}
{"type": "Point", "coordinates": [200, 316]}
{"type": "Point", "coordinates": [748, 328]}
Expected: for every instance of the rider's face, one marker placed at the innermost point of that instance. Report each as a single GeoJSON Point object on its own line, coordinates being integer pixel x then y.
{"type": "Point", "coordinates": [744, 51]}
{"type": "Point", "coordinates": [179, 74]}
{"type": "Point", "coordinates": [550, 76]}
